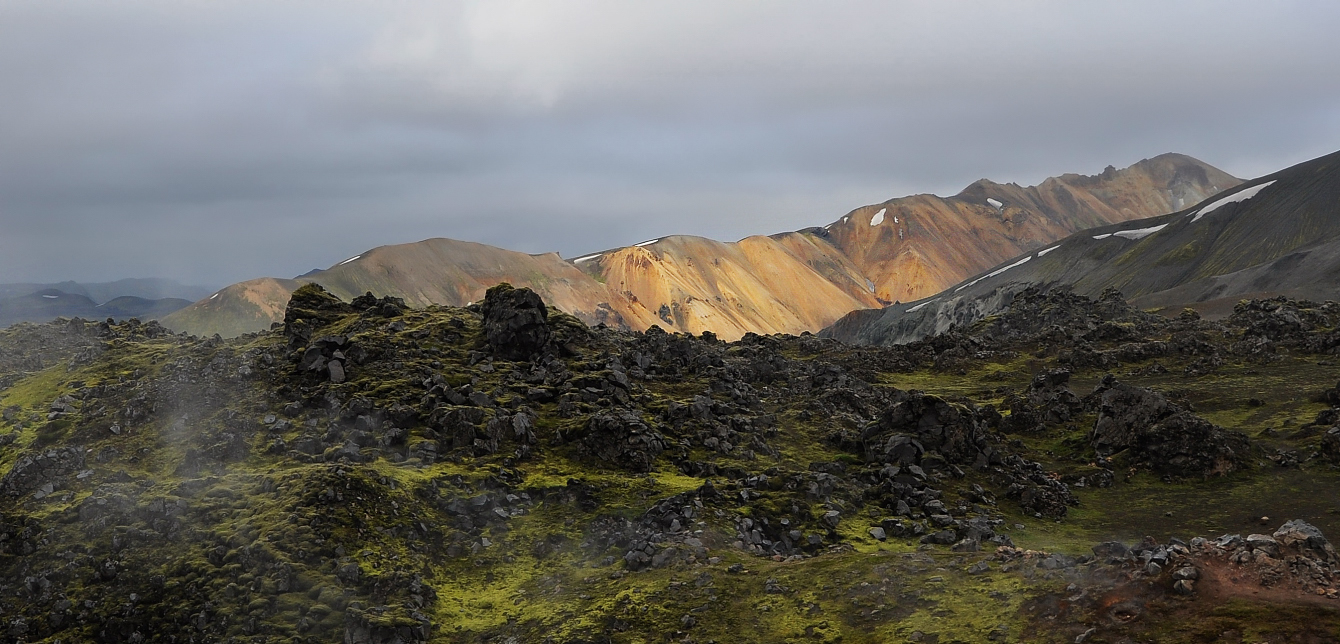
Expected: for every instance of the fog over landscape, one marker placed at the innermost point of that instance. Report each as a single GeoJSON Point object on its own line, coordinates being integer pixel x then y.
{"type": "Point", "coordinates": [211, 143]}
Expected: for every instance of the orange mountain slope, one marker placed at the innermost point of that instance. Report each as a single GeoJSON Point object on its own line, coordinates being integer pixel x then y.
{"type": "Point", "coordinates": [899, 250]}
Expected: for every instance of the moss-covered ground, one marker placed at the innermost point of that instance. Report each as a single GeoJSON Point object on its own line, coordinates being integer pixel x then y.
{"type": "Point", "coordinates": [225, 494]}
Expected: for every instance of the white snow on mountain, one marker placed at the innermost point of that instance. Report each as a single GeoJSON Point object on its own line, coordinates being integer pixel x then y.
{"type": "Point", "coordinates": [919, 306]}
{"type": "Point", "coordinates": [994, 273]}
{"type": "Point", "coordinates": [1139, 233]}
{"type": "Point", "coordinates": [1241, 195]}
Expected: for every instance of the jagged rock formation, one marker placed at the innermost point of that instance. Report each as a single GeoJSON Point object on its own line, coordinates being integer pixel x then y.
{"type": "Point", "coordinates": [516, 322]}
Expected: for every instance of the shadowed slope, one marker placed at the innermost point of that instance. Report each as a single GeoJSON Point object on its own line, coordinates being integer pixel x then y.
{"type": "Point", "coordinates": [1279, 234]}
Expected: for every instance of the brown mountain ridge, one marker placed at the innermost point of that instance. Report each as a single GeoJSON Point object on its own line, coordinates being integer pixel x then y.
{"type": "Point", "coordinates": [899, 250]}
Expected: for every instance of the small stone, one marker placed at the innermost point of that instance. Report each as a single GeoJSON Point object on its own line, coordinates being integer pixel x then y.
{"type": "Point", "coordinates": [1184, 586]}
{"type": "Point", "coordinates": [1186, 572]}
{"type": "Point", "coordinates": [878, 533]}
{"type": "Point", "coordinates": [1263, 543]}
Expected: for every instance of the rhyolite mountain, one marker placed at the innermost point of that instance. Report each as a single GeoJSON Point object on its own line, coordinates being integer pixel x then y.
{"type": "Point", "coordinates": [1071, 469]}
{"type": "Point", "coordinates": [898, 250]}
{"type": "Point", "coordinates": [1272, 236]}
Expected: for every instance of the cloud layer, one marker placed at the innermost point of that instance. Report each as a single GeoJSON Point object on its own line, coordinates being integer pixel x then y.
{"type": "Point", "coordinates": [214, 142]}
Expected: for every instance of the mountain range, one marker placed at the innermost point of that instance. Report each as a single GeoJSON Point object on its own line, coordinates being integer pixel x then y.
{"type": "Point", "coordinates": [123, 299]}
{"type": "Point", "coordinates": [1278, 235]}
{"type": "Point", "coordinates": [152, 288]}
{"type": "Point", "coordinates": [895, 251]}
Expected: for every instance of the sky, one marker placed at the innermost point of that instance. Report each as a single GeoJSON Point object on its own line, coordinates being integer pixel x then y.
{"type": "Point", "coordinates": [212, 142]}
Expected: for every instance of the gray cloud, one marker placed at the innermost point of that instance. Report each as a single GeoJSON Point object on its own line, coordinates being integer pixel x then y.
{"type": "Point", "coordinates": [215, 142]}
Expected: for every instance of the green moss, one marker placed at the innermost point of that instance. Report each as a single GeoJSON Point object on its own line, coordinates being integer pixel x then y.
{"type": "Point", "coordinates": [1181, 255]}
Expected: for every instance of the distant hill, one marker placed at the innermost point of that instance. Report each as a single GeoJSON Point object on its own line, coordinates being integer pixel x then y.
{"type": "Point", "coordinates": [1276, 235]}
{"type": "Point", "coordinates": [101, 292]}
{"type": "Point", "coordinates": [898, 250]}
{"type": "Point", "coordinates": [48, 304]}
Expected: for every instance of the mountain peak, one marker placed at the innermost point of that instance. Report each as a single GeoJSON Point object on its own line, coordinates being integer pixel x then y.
{"type": "Point", "coordinates": [900, 250]}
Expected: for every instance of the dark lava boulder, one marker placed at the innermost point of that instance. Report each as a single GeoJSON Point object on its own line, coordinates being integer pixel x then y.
{"type": "Point", "coordinates": [1162, 435]}
{"type": "Point", "coordinates": [1048, 400]}
{"type": "Point", "coordinates": [1278, 319]}
{"type": "Point", "coordinates": [311, 307]}
{"type": "Point", "coordinates": [1050, 393]}
{"type": "Point", "coordinates": [619, 437]}
{"type": "Point", "coordinates": [516, 322]}
{"type": "Point", "coordinates": [919, 423]}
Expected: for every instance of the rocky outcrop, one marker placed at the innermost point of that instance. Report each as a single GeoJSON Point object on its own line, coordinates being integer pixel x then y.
{"type": "Point", "coordinates": [1160, 434]}
{"type": "Point", "coordinates": [516, 322]}
{"type": "Point", "coordinates": [43, 472]}
{"type": "Point", "coordinates": [620, 438]}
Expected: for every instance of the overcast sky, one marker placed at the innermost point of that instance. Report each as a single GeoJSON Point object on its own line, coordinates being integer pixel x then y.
{"type": "Point", "coordinates": [212, 142]}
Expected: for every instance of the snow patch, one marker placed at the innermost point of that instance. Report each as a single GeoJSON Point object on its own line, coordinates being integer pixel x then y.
{"type": "Point", "coordinates": [994, 203]}
{"type": "Point", "coordinates": [1102, 236]}
{"type": "Point", "coordinates": [919, 306]}
{"type": "Point", "coordinates": [214, 296]}
{"type": "Point", "coordinates": [586, 258]}
{"type": "Point", "coordinates": [998, 271]}
{"type": "Point", "coordinates": [348, 260]}
{"type": "Point", "coordinates": [895, 219]}
{"type": "Point", "coordinates": [1140, 233]}
{"type": "Point", "coordinates": [844, 219]}
{"type": "Point", "coordinates": [870, 285]}
{"type": "Point", "coordinates": [51, 297]}
{"type": "Point", "coordinates": [647, 243]}
{"type": "Point", "coordinates": [878, 218]}
{"type": "Point", "coordinates": [1241, 195]}
{"type": "Point", "coordinates": [1048, 250]}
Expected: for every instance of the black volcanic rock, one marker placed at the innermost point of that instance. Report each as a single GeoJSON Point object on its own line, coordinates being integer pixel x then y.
{"type": "Point", "coordinates": [1168, 438]}
{"type": "Point", "coordinates": [311, 307]}
{"type": "Point", "coordinates": [622, 439]}
{"type": "Point", "coordinates": [516, 322]}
